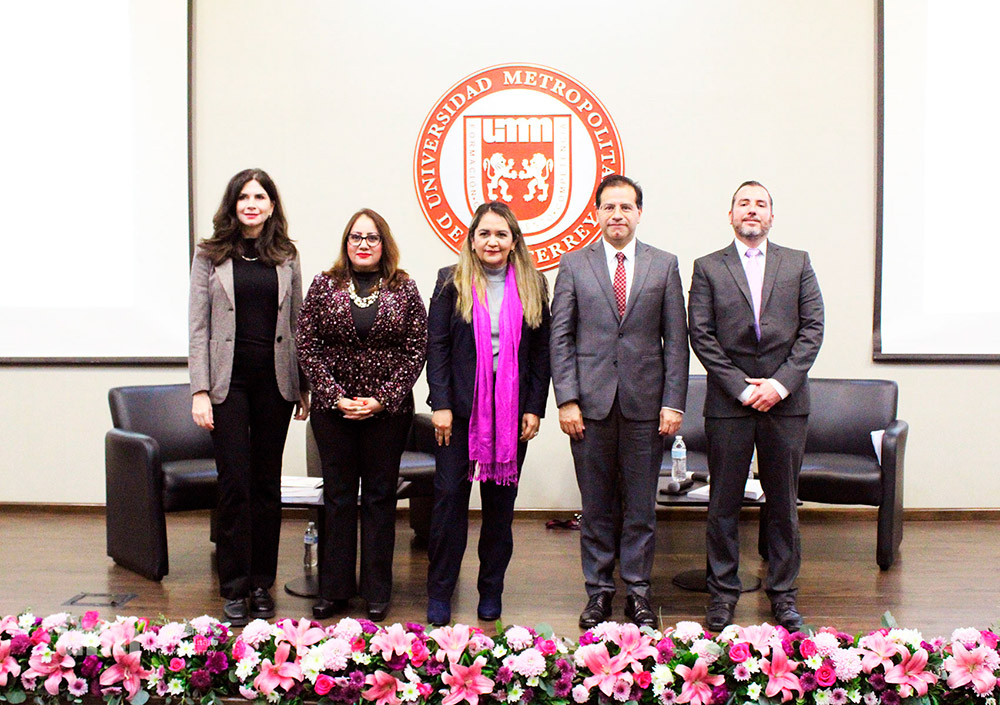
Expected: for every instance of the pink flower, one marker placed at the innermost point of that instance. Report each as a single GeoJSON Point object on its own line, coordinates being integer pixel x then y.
{"type": "Point", "coordinates": [77, 687]}
{"type": "Point", "coordinates": [606, 669]}
{"type": "Point", "coordinates": [909, 673]}
{"type": "Point", "coordinates": [90, 619]}
{"type": "Point", "coordinates": [239, 649]}
{"type": "Point", "coordinates": [54, 665]}
{"type": "Point", "coordinates": [8, 664]}
{"type": "Point", "coordinates": [451, 640]}
{"type": "Point", "coordinates": [990, 639]}
{"type": "Point", "coordinates": [324, 684]}
{"type": "Point", "coordinates": [176, 664]}
{"type": "Point", "coordinates": [546, 646]}
{"type": "Point", "coordinates": [877, 651]}
{"type": "Point", "coordinates": [201, 644]}
{"type": "Point", "coordinates": [466, 683]}
{"type": "Point", "coordinates": [282, 673]}
{"type": "Point", "coordinates": [394, 640]}
{"type": "Point", "coordinates": [633, 645]}
{"type": "Point", "coordinates": [963, 667]}
{"type": "Point", "coordinates": [759, 637]}
{"type": "Point", "coordinates": [383, 687]}
{"type": "Point", "coordinates": [127, 669]}
{"type": "Point", "coordinates": [117, 634]}
{"type": "Point", "coordinates": [697, 688]}
{"type": "Point", "coordinates": [780, 675]}
{"type": "Point", "coordinates": [826, 675]}
{"type": "Point", "coordinates": [643, 679]}
{"type": "Point", "coordinates": [739, 652]}
{"type": "Point", "coordinates": [418, 653]}
{"type": "Point", "coordinates": [305, 634]}
{"type": "Point", "coordinates": [807, 648]}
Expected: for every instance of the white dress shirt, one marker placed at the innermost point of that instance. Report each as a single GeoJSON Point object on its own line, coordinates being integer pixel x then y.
{"type": "Point", "coordinates": [610, 254]}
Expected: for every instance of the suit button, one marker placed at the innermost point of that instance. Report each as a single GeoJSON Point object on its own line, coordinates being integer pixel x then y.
{"type": "Point", "coordinates": [279, 338]}
{"type": "Point", "coordinates": [621, 335]}
{"type": "Point", "coordinates": [230, 308]}
{"type": "Point", "coordinates": [615, 363]}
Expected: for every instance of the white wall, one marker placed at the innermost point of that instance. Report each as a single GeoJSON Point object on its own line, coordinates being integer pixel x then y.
{"type": "Point", "coordinates": [329, 97]}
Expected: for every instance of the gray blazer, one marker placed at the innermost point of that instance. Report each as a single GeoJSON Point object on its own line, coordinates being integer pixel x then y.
{"type": "Point", "coordinates": [212, 328]}
{"type": "Point", "coordinates": [722, 330]}
{"type": "Point", "coordinates": [643, 357]}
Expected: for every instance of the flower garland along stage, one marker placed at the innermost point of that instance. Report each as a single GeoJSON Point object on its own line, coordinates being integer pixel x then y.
{"type": "Point", "coordinates": [353, 661]}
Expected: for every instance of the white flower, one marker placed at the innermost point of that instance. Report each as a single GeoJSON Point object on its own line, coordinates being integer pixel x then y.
{"type": "Point", "coordinates": [532, 682]}
{"type": "Point", "coordinates": [826, 643]}
{"type": "Point", "coordinates": [753, 691]}
{"type": "Point", "coordinates": [519, 638]}
{"type": "Point", "coordinates": [662, 677]}
{"type": "Point", "coordinates": [821, 696]}
{"type": "Point", "coordinates": [854, 695]}
{"type": "Point", "coordinates": [312, 663]}
{"type": "Point", "coordinates": [91, 640]}
{"type": "Point", "coordinates": [499, 651]}
{"type": "Point", "coordinates": [966, 635]}
{"type": "Point", "coordinates": [580, 694]}
{"type": "Point", "coordinates": [361, 658]}
{"type": "Point", "coordinates": [153, 678]}
{"type": "Point", "coordinates": [274, 697]}
{"type": "Point", "coordinates": [515, 693]}
{"type": "Point", "coordinates": [26, 621]}
{"type": "Point", "coordinates": [729, 634]}
{"type": "Point", "coordinates": [176, 687]}
{"type": "Point", "coordinates": [246, 665]}
{"type": "Point", "coordinates": [910, 637]}
{"type": "Point", "coordinates": [707, 649]}
{"type": "Point", "coordinates": [870, 698]}
{"type": "Point", "coordinates": [752, 664]}
{"type": "Point", "coordinates": [687, 631]}
{"type": "Point", "coordinates": [185, 648]}
{"type": "Point", "coordinates": [814, 661]}
{"type": "Point", "coordinates": [409, 692]}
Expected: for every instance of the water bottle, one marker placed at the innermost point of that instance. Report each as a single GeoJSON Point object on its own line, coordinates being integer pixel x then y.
{"type": "Point", "coordinates": [678, 453]}
{"type": "Point", "coordinates": [311, 542]}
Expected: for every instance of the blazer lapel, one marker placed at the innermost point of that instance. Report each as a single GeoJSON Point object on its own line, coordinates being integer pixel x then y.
{"type": "Point", "coordinates": [284, 279]}
{"type": "Point", "coordinates": [599, 265]}
{"type": "Point", "coordinates": [771, 264]}
{"type": "Point", "coordinates": [640, 269]}
{"type": "Point", "coordinates": [731, 256]}
{"type": "Point", "coordinates": [225, 273]}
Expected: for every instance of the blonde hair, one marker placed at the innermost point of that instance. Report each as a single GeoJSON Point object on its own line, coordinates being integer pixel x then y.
{"type": "Point", "coordinates": [531, 285]}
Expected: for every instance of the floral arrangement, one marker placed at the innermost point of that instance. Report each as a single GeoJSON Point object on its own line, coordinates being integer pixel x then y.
{"type": "Point", "coordinates": [63, 658]}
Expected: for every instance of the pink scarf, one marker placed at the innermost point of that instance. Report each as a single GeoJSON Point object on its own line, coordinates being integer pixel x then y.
{"type": "Point", "coordinates": [493, 426]}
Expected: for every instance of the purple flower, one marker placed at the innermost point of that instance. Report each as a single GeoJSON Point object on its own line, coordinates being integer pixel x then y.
{"type": "Point", "coordinates": [664, 650]}
{"type": "Point", "coordinates": [808, 681]}
{"type": "Point", "coordinates": [20, 644]}
{"type": "Point", "coordinates": [890, 697]}
{"type": "Point", "coordinates": [414, 628]}
{"type": "Point", "coordinates": [838, 696]}
{"type": "Point", "coordinates": [504, 675]}
{"type": "Point", "coordinates": [201, 679]}
{"type": "Point", "coordinates": [528, 695]}
{"type": "Point", "coordinates": [877, 681]}
{"type": "Point", "coordinates": [352, 694]}
{"type": "Point", "coordinates": [435, 668]}
{"type": "Point", "coordinates": [90, 667]}
{"type": "Point", "coordinates": [563, 686]}
{"type": "Point", "coordinates": [742, 673]}
{"type": "Point", "coordinates": [397, 662]}
{"type": "Point", "coordinates": [77, 687]}
{"type": "Point", "coordinates": [357, 679]}
{"type": "Point", "coordinates": [622, 689]}
{"type": "Point", "coordinates": [667, 697]}
{"type": "Point", "coordinates": [217, 662]}
{"type": "Point", "coordinates": [587, 638]}
{"type": "Point", "coordinates": [720, 694]}
{"type": "Point", "coordinates": [368, 626]}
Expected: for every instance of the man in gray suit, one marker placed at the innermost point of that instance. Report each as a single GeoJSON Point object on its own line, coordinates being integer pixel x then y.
{"type": "Point", "coordinates": [756, 319]}
{"type": "Point", "coordinates": [619, 355]}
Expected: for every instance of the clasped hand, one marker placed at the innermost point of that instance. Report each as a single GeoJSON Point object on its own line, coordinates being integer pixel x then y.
{"type": "Point", "coordinates": [359, 408]}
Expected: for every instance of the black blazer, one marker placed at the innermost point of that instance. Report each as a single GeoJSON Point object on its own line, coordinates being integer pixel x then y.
{"type": "Point", "coordinates": [451, 356]}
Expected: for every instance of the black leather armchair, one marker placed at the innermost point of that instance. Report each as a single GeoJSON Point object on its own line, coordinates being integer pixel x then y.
{"type": "Point", "coordinates": [156, 461]}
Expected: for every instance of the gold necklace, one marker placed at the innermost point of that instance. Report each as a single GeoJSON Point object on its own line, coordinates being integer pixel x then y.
{"type": "Point", "coordinates": [363, 301]}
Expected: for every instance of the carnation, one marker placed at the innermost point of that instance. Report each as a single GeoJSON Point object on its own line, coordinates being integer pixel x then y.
{"type": "Point", "coordinates": [519, 638]}
{"type": "Point", "coordinates": [688, 631]}
{"type": "Point", "coordinates": [480, 642]}
{"type": "Point", "coordinates": [967, 636]}
{"type": "Point", "coordinates": [201, 680]}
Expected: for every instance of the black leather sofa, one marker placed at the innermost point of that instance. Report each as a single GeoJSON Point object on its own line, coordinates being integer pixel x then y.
{"type": "Point", "coordinates": [840, 464]}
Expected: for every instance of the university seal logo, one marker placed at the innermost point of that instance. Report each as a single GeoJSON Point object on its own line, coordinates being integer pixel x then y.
{"type": "Point", "coordinates": [529, 136]}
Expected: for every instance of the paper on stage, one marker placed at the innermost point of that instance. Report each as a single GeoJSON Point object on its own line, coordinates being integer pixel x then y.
{"type": "Point", "coordinates": [298, 488]}
{"type": "Point", "coordinates": [752, 491]}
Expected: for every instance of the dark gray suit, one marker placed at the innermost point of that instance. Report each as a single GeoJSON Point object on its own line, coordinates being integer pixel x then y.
{"type": "Point", "coordinates": [723, 338]}
{"type": "Point", "coordinates": [621, 372]}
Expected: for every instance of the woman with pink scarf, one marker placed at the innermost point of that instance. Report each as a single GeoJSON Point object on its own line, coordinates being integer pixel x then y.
{"type": "Point", "coordinates": [488, 374]}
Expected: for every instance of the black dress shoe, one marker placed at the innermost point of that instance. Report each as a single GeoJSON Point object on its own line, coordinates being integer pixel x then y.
{"type": "Point", "coordinates": [235, 612]}
{"type": "Point", "coordinates": [377, 611]}
{"type": "Point", "coordinates": [489, 608]}
{"type": "Point", "coordinates": [261, 604]}
{"type": "Point", "coordinates": [598, 610]}
{"type": "Point", "coordinates": [787, 615]}
{"type": "Point", "coordinates": [639, 611]}
{"type": "Point", "coordinates": [324, 609]}
{"type": "Point", "coordinates": [719, 615]}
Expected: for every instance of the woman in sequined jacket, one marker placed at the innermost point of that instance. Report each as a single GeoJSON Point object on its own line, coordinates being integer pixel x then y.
{"type": "Point", "coordinates": [361, 339]}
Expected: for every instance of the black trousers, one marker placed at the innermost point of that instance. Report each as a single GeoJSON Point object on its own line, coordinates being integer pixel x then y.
{"type": "Point", "coordinates": [617, 467]}
{"type": "Point", "coordinates": [780, 443]}
{"type": "Point", "coordinates": [450, 520]}
{"type": "Point", "coordinates": [249, 440]}
{"type": "Point", "coordinates": [351, 451]}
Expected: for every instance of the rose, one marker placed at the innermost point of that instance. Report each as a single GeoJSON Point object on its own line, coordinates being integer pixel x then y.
{"type": "Point", "coordinates": [176, 664]}
{"type": "Point", "coordinates": [643, 679]}
{"type": "Point", "coordinates": [546, 646]}
{"type": "Point", "coordinates": [90, 619]}
{"type": "Point", "coordinates": [324, 684]}
{"type": "Point", "coordinates": [739, 652]}
{"type": "Point", "coordinates": [201, 644]}
{"type": "Point", "coordinates": [826, 675]}
{"type": "Point", "coordinates": [807, 648]}
{"type": "Point", "coordinates": [239, 649]}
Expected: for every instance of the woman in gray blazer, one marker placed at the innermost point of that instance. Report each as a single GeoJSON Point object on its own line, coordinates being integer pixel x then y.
{"type": "Point", "coordinates": [246, 290]}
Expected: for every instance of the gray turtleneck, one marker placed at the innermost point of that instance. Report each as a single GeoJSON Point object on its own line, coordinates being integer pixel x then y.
{"type": "Point", "coordinates": [495, 279]}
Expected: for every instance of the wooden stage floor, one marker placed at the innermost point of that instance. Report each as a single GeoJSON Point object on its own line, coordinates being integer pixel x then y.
{"type": "Point", "coordinates": [945, 577]}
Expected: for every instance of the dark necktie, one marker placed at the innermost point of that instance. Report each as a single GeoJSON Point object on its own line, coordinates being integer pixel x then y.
{"type": "Point", "coordinates": [620, 283]}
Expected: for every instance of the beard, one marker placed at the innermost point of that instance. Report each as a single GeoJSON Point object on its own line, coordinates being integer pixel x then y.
{"type": "Point", "coordinates": [748, 233]}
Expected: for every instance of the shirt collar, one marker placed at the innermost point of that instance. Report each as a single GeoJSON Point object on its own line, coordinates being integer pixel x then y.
{"type": "Point", "coordinates": [610, 252]}
{"type": "Point", "coordinates": [742, 248]}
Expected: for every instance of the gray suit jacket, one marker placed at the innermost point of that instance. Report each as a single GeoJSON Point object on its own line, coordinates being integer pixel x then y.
{"type": "Point", "coordinates": [642, 357]}
{"type": "Point", "coordinates": [722, 330]}
{"type": "Point", "coordinates": [212, 328]}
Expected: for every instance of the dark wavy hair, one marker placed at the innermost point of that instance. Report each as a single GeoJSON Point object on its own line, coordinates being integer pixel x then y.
{"type": "Point", "coordinates": [388, 264]}
{"type": "Point", "coordinates": [618, 180]}
{"type": "Point", "coordinates": [273, 245]}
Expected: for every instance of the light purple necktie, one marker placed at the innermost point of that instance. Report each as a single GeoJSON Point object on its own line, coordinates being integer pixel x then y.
{"type": "Point", "coordinates": [755, 278]}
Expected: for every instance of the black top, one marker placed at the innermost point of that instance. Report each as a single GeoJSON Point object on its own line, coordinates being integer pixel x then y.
{"type": "Point", "coordinates": [255, 286]}
{"type": "Point", "coordinates": [364, 318]}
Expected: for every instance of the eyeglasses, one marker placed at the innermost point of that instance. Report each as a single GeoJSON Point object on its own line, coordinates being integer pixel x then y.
{"type": "Point", "coordinates": [373, 239]}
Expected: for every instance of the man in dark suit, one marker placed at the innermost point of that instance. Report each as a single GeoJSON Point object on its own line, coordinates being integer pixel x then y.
{"type": "Point", "coordinates": [756, 321]}
{"type": "Point", "coordinates": [620, 370]}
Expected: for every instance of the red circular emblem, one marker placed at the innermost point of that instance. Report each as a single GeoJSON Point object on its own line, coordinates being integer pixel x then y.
{"type": "Point", "coordinates": [527, 135]}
